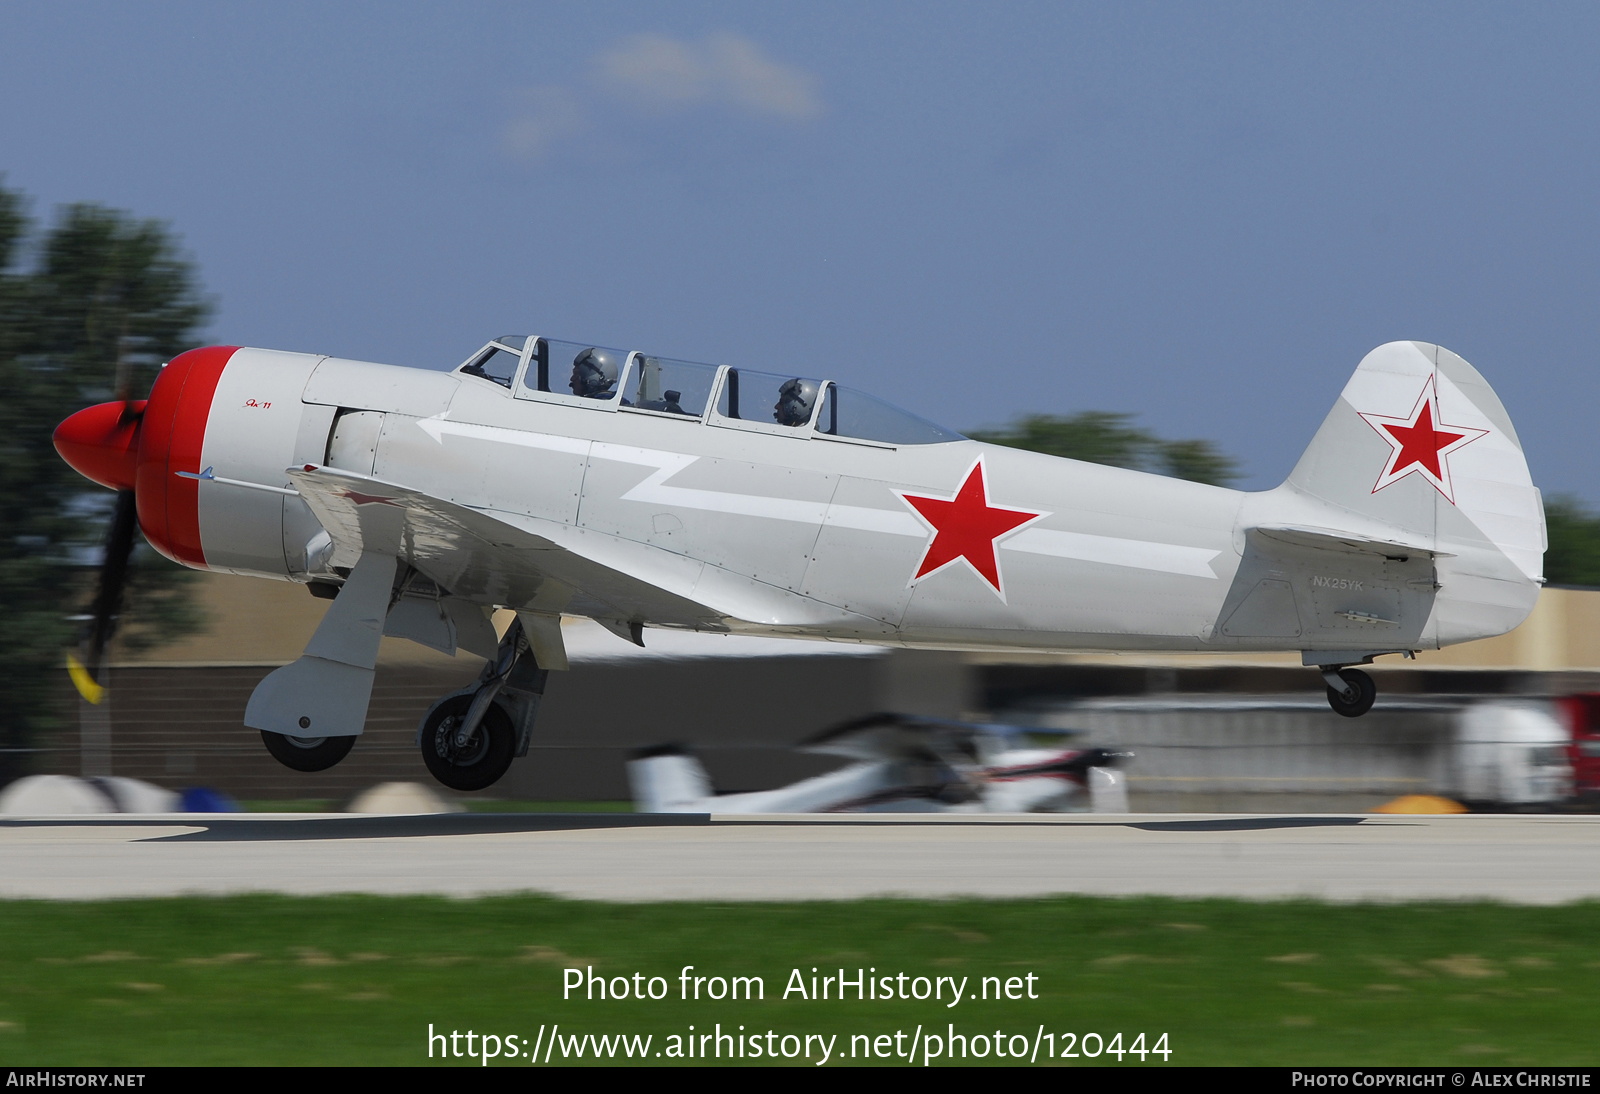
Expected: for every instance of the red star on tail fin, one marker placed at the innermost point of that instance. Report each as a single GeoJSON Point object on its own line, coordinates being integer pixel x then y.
{"type": "Point", "coordinates": [1418, 445]}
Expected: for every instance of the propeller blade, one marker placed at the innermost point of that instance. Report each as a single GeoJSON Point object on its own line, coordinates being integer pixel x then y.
{"type": "Point", "coordinates": [113, 579]}
{"type": "Point", "coordinates": [124, 385]}
{"type": "Point", "coordinates": [81, 680]}
{"type": "Point", "coordinates": [132, 411]}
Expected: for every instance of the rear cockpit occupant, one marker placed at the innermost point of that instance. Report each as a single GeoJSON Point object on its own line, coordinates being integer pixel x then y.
{"type": "Point", "coordinates": [796, 398]}
{"type": "Point", "coordinates": [594, 374]}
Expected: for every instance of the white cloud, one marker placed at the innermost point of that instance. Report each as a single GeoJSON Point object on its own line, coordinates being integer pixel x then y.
{"type": "Point", "coordinates": [543, 115]}
{"type": "Point", "coordinates": [652, 75]}
{"type": "Point", "coordinates": [658, 73]}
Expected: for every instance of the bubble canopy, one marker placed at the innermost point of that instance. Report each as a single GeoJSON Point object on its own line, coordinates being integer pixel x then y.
{"type": "Point", "coordinates": [599, 378]}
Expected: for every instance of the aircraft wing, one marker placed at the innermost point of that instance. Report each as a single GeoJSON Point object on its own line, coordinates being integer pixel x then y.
{"type": "Point", "coordinates": [537, 565]}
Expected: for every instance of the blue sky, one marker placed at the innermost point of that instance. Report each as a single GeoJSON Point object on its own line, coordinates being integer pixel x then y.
{"type": "Point", "coordinates": [1202, 214]}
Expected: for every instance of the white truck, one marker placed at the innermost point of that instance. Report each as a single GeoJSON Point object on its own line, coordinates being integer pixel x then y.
{"type": "Point", "coordinates": [1511, 753]}
{"type": "Point", "coordinates": [1272, 753]}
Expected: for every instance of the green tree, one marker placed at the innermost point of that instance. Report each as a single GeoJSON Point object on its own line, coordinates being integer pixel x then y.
{"type": "Point", "coordinates": [104, 287]}
{"type": "Point", "coordinates": [1098, 436]}
{"type": "Point", "coordinates": [1573, 557]}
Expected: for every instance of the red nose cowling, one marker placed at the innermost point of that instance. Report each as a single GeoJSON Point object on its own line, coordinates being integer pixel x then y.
{"type": "Point", "coordinates": [144, 446]}
{"type": "Point", "coordinates": [101, 443]}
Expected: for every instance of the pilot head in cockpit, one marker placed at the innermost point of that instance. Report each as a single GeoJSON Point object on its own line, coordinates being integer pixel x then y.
{"type": "Point", "coordinates": [594, 374]}
{"type": "Point", "coordinates": [795, 400]}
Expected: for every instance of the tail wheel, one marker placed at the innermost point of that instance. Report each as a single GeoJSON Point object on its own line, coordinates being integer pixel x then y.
{"type": "Point", "coordinates": [307, 753]}
{"type": "Point", "coordinates": [467, 761]}
{"type": "Point", "coordinates": [1358, 694]}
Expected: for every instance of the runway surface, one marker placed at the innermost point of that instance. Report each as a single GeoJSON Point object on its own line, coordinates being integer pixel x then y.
{"type": "Point", "coordinates": [1522, 859]}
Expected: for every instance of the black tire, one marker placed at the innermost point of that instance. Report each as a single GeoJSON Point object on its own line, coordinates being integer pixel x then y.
{"type": "Point", "coordinates": [1365, 693]}
{"type": "Point", "coordinates": [482, 759]}
{"type": "Point", "coordinates": [307, 753]}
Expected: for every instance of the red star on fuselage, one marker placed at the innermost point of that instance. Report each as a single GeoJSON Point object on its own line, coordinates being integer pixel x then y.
{"type": "Point", "coordinates": [1420, 443]}
{"type": "Point", "coordinates": [965, 528]}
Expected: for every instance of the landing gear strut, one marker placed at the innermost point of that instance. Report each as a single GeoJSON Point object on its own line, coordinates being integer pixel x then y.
{"type": "Point", "coordinates": [1350, 691]}
{"type": "Point", "coordinates": [469, 737]}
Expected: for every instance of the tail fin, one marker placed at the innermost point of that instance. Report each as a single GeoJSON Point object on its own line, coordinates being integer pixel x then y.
{"type": "Point", "coordinates": [1418, 455]}
{"type": "Point", "coordinates": [1419, 441]}
{"type": "Point", "coordinates": [668, 780]}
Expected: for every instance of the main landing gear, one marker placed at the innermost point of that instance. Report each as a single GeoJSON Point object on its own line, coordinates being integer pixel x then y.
{"type": "Point", "coordinates": [469, 737]}
{"type": "Point", "coordinates": [463, 753]}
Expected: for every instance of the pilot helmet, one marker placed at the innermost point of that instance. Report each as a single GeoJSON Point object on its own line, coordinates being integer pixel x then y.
{"type": "Point", "coordinates": [594, 373]}
{"type": "Point", "coordinates": [795, 399]}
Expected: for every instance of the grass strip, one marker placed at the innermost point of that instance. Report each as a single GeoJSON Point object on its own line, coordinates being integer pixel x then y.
{"type": "Point", "coordinates": [357, 979]}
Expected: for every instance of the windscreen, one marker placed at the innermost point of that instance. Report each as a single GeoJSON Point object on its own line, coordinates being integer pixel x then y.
{"type": "Point", "coordinates": [850, 413]}
{"type": "Point", "coordinates": [497, 362]}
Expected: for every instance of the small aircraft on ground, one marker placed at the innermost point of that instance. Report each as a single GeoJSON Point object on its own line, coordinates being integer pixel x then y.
{"type": "Point", "coordinates": [644, 491]}
{"type": "Point", "coordinates": [903, 764]}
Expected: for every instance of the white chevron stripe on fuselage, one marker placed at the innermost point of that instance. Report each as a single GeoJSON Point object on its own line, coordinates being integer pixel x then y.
{"type": "Point", "coordinates": [654, 489]}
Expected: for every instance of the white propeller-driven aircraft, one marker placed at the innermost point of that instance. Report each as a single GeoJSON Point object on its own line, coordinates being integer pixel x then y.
{"type": "Point", "coordinates": [558, 478]}
{"type": "Point", "coordinates": [903, 764]}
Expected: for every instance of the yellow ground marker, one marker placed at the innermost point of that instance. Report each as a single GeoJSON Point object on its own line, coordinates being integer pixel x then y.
{"type": "Point", "coordinates": [1421, 803]}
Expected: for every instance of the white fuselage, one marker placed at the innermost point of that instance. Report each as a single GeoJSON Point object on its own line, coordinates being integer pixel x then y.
{"type": "Point", "coordinates": [795, 533]}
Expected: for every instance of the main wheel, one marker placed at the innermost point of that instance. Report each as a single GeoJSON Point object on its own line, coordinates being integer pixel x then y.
{"type": "Point", "coordinates": [307, 753]}
{"type": "Point", "coordinates": [467, 762]}
{"type": "Point", "coordinates": [1358, 696]}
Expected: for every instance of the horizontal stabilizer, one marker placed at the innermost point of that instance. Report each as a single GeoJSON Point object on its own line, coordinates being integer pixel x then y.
{"type": "Point", "coordinates": [1331, 539]}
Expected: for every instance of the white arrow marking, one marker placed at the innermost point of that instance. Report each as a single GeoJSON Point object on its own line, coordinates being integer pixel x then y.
{"type": "Point", "coordinates": [437, 427]}
{"type": "Point", "coordinates": [667, 464]}
{"type": "Point", "coordinates": [1110, 550]}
